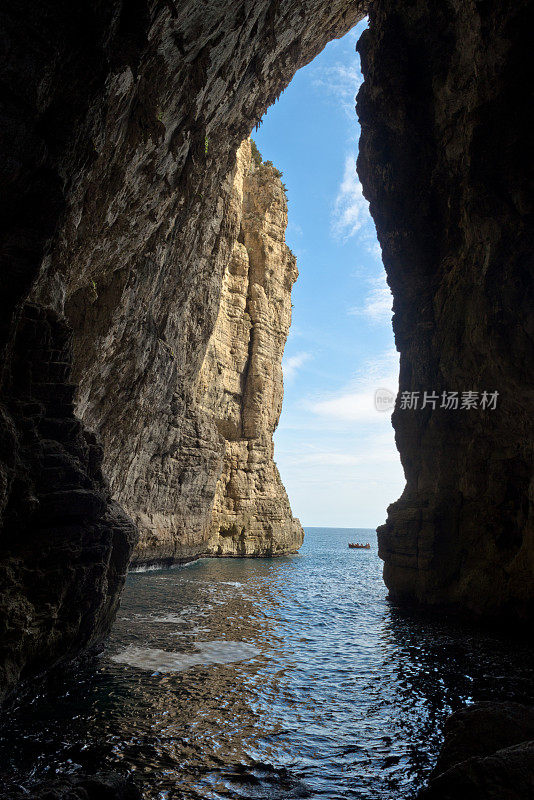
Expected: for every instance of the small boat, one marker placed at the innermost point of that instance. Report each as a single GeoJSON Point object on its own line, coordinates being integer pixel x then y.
{"type": "Point", "coordinates": [360, 546]}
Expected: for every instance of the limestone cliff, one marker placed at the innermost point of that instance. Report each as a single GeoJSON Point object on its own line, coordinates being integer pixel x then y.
{"type": "Point", "coordinates": [119, 128]}
{"type": "Point", "coordinates": [240, 383]}
{"type": "Point", "coordinates": [120, 125]}
{"type": "Point", "coordinates": [236, 398]}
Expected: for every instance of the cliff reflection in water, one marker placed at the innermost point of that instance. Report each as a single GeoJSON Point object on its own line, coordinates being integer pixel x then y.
{"type": "Point", "coordinates": [283, 678]}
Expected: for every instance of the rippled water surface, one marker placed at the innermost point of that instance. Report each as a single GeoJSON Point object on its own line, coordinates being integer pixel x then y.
{"type": "Point", "coordinates": [267, 678]}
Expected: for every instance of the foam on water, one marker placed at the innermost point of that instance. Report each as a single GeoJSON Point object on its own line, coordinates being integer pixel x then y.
{"type": "Point", "coordinates": [171, 618]}
{"type": "Point", "coordinates": [206, 653]}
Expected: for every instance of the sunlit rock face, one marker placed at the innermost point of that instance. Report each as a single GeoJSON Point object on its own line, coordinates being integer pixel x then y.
{"type": "Point", "coordinates": [240, 384]}
{"type": "Point", "coordinates": [443, 162]}
{"type": "Point", "coordinates": [120, 127]}
{"type": "Point", "coordinates": [157, 197]}
{"type": "Point", "coordinates": [236, 398]}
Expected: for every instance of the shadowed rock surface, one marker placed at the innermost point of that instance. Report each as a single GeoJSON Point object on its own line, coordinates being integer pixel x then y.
{"type": "Point", "coordinates": [446, 129]}
{"type": "Point", "coordinates": [488, 754]}
{"type": "Point", "coordinates": [120, 125]}
{"type": "Point", "coordinates": [65, 544]}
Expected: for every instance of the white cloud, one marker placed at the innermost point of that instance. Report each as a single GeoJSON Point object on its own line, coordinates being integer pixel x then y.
{"type": "Point", "coordinates": [293, 363]}
{"type": "Point", "coordinates": [294, 228]}
{"type": "Point", "coordinates": [355, 402]}
{"type": "Point", "coordinates": [375, 250]}
{"type": "Point", "coordinates": [377, 306]}
{"type": "Point", "coordinates": [342, 81]}
{"type": "Point", "coordinates": [351, 209]}
{"type": "Point", "coordinates": [338, 459]}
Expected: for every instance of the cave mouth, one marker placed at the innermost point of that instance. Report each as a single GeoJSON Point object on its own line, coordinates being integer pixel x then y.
{"type": "Point", "coordinates": [334, 446]}
{"type": "Point", "coordinates": [124, 212]}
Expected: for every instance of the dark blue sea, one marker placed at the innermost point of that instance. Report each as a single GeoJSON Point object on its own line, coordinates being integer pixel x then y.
{"type": "Point", "coordinates": [267, 678]}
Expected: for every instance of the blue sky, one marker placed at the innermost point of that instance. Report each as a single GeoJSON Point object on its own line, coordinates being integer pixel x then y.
{"type": "Point", "coordinates": [335, 452]}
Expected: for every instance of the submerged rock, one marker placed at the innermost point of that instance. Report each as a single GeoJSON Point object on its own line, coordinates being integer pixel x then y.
{"type": "Point", "coordinates": [103, 786]}
{"type": "Point", "coordinates": [488, 754]}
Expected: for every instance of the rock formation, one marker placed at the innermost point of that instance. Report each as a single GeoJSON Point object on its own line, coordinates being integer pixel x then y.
{"type": "Point", "coordinates": [120, 124]}
{"type": "Point", "coordinates": [120, 128]}
{"type": "Point", "coordinates": [65, 545]}
{"type": "Point", "coordinates": [488, 754]}
{"type": "Point", "coordinates": [240, 383]}
{"type": "Point", "coordinates": [236, 398]}
{"type": "Point", "coordinates": [157, 195]}
{"type": "Point", "coordinates": [443, 161]}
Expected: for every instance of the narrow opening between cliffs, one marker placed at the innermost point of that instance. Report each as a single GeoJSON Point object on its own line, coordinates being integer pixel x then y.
{"type": "Point", "coordinates": [334, 445]}
{"type": "Point", "coordinates": [174, 268]}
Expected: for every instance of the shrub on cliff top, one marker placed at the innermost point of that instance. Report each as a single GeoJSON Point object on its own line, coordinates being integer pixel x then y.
{"type": "Point", "coordinates": [274, 169]}
{"type": "Point", "coordinates": [256, 155]}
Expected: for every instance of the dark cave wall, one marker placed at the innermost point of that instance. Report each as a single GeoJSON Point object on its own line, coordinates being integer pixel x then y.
{"type": "Point", "coordinates": [446, 162]}
{"type": "Point", "coordinates": [64, 545]}
{"type": "Point", "coordinates": [120, 124]}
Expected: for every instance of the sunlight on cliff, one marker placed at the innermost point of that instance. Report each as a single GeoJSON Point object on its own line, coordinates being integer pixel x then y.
{"type": "Point", "coordinates": [335, 451]}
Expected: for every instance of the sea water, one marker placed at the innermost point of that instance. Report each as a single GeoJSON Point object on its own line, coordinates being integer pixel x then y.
{"type": "Point", "coordinates": [281, 678]}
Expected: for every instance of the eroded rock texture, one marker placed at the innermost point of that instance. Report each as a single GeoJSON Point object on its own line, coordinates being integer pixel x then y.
{"type": "Point", "coordinates": [157, 199]}
{"type": "Point", "coordinates": [444, 161]}
{"type": "Point", "coordinates": [65, 545]}
{"type": "Point", "coordinates": [120, 122]}
{"type": "Point", "coordinates": [240, 384]}
{"type": "Point", "coordinates": [488, 754]}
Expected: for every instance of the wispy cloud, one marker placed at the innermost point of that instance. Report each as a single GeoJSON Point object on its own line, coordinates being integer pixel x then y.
{"type": "Point", "coordinates": [379, 453]}
{"type": "Point", "coordinates": [355, 401]}
{"type": "Point", "coordinates": [342, 82]}
{"type": "Point", "coordinates": [377, 305]}
{"type": "Point", "coordinates": [294, 228]}
{"type": "Point", "coordinates": [375, 250]}
{"type": "Point", "coordinates": [351, 209]}
{"type": "Point", "coordinates": [293, 363]}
